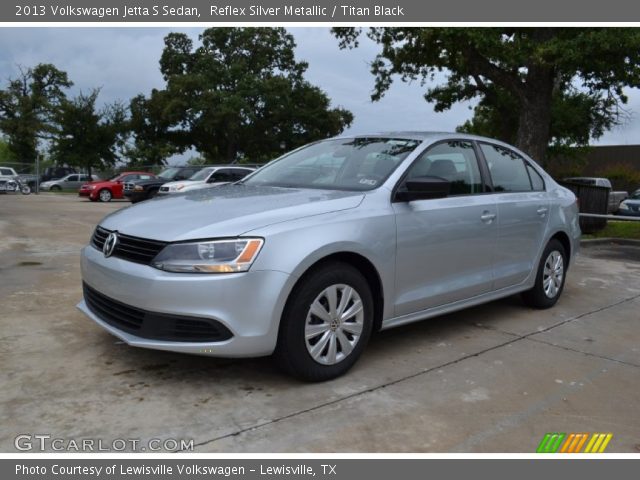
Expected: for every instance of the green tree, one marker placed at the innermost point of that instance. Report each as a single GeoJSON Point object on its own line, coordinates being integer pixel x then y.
{"type": "Point", "coordinates": [535, 86]}
{"type": "Point", "coordinates": [88, 137]}
{"type": "Point", "coordinates": [27, 107]}
{"type": "Point", "coordinates": [6, 155]}
{"type": "Point", "coordinates": [154, 142]}
{"type": "Point", "coordinates": [241, 94]}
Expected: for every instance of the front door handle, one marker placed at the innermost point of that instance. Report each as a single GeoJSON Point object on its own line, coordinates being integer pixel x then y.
{"type": "Point", "coordinates": [542, 211]}
{"type": "Point", "coordinates": [487, 217]}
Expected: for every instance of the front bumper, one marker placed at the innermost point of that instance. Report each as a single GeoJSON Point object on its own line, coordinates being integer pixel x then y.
{"type": "Point", "coordinates": [84, 193]}
{"type": "Point", "coordinates": [248, 304]}
{"type": "Point", "coordinates": [136, 196]}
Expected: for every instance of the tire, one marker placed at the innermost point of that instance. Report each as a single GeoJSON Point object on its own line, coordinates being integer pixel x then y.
{"type": "Point", "coordinates": [26, 189]}
{"type": "Point", "coordinates": [316, 349]}
{"type": "Point", "coordinates": [55, 188]}
{"type": "Point", "coordinates": [552, 272]}
{"type": "Point", "coordinates": [105, 195]}
{"type": "Point", "coordinates": [152, 193]}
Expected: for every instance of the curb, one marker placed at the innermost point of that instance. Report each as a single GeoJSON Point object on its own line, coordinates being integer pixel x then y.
{"type": "Point", "coordinates": [606, 241]}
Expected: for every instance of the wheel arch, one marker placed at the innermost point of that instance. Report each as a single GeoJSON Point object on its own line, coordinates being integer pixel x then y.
{"type": "Point", "coordinates": [564, 239]}
{"type": "Point", "coordinates": [360, 263]}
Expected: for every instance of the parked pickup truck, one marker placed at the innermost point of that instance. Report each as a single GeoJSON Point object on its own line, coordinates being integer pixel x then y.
{"type": "Point", "coordinates": [615, 197]}
{"type": "Point", "coordinates": [6, 173]}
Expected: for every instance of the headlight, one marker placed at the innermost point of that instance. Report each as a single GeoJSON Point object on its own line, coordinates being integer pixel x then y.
{"type": "Point", "coordinates": [216, 256]}
{"type": "Point", "coordinates": [623, 206]}
{"type": "Point", "coordinates": [91, 187]}
{"type": "Point", "coordinates": [138, 188]}
{"type": "Point", "coordinates": [176, 188]}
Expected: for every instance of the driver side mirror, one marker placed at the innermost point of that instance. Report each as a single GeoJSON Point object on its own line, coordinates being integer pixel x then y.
{"type": "Point", "coordinates": [424, 188]}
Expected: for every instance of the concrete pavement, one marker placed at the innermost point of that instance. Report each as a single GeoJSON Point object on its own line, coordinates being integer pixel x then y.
{"type": "Point", "coordinates": [494, 378]}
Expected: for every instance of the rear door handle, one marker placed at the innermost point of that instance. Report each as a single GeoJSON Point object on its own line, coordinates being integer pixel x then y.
{"type": "Point", "coordinates": [487, 217]}
{"type": "Point", "coordinates": [542, 211]}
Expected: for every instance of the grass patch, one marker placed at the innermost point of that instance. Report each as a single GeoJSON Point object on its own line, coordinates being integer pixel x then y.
{"type": "Point", "coordinates": [618, 230]}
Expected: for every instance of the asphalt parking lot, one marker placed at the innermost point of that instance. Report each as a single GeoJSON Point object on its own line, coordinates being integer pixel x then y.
{"type": "Point", "coordinates": [494, 378]}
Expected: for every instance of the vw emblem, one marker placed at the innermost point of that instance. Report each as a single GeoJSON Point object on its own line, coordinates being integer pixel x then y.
{"type": "Point", "coordinates": [110, 244]}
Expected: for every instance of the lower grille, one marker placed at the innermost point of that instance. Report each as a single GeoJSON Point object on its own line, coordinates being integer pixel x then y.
{"type": "Point", "coordinates": [134, 249]}
{"type": "Point", "coordinates": [152, 325]}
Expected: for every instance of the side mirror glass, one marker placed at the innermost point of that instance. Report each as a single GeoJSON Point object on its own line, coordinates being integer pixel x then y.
{"type": "Point", "coordinates": [424, 188]}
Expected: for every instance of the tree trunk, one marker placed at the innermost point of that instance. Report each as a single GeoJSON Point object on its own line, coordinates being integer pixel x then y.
{"type": "Point", "coordinates": [535, 113]}
{"type": "Point", "coordinates": [232, 152]}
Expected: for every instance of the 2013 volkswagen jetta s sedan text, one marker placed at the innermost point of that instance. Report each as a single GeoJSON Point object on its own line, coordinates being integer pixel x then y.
{"type": "Point", "coordinates": [309, 255]}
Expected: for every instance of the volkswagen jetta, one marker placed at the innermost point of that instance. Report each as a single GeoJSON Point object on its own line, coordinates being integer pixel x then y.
{"type": "Point", "coordinates": [309, 255]}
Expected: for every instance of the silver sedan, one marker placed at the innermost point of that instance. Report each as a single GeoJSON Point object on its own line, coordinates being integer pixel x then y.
{"type": "Point", "coordinates": [308, 256]}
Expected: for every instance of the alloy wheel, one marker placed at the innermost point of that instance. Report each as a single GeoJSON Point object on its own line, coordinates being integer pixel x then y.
{"type": "Point", "coordinates": [553, 274]}
{"type": "Point", "coordinates": [334, 324]}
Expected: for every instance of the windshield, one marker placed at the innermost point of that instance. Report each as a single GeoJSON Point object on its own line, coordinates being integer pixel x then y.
{"type": "Point", "coordinates": [169, 173]}
{"type": "Point", "coordinates": [201, 175]}
{"type": "Point", "coordinates": [345, 164]}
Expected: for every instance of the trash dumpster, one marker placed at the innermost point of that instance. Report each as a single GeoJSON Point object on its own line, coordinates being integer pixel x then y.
{"type": "Point", "coordinates": [593, 199]}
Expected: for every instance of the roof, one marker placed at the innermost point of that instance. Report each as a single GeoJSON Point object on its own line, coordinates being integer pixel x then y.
{"type": "Point", "coordinates": [419, 135]}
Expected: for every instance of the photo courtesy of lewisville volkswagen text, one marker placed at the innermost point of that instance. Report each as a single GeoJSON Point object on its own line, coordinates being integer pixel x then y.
{"type": "Point", "coordinates": [318, 239]}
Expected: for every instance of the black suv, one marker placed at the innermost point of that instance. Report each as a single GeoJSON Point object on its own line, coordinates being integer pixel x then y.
{"type": "Point", "coordinates": [53, 173]}
{"type": "Point", "coordinates": [144, 189]}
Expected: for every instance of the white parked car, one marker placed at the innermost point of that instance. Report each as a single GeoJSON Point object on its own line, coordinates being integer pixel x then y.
{"type": "Point", "coordinates": [207, 177]}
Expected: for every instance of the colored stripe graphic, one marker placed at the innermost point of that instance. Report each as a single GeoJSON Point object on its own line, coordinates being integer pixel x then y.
{"type": "Point", "coordinates": [573, 442]}
{"type": "Point", "coordinates": [551, 442]}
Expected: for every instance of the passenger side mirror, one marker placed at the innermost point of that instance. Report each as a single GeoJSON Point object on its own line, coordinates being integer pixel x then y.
{"type": "Point", "coordinates": [424, 188]}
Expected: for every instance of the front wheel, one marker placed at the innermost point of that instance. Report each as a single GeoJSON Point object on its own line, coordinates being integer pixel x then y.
{"type": "Point", "coordinates": [326, 324]}
{"type": "Point", "coordinates": [550, 277]}
{"type": "Point", "coordinates": [56, 188]}
{"type": "Point", "coordinates": [104, 195]}
{"type": "Point", "coordinates": [25, 189]}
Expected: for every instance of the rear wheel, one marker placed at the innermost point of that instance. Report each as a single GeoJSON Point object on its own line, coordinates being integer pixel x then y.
{"type": "Point", "coordinates": [326, 324]}
{"type": "Point", "coordinates": [105, 195]}
{"type": "Point", "coordinates": [550, 277]}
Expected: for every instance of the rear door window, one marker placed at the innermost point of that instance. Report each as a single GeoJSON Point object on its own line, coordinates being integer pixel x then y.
{"type": "Point", "coordinates": [536, 180]}
{"type": "Point", "coordinates": [507, 168]}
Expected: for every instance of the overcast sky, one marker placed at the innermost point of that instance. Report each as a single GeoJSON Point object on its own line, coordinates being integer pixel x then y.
{"type": "Point", "coordinates": [124, 62]}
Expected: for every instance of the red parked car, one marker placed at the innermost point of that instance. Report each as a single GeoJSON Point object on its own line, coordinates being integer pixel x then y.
{"type": "Point", "coordinates": [105, 190]}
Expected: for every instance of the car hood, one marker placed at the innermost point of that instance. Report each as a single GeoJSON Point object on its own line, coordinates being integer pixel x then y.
{"type": "Point", "coordinates": [98, 182]}
{"type": "Point", "coordinates": [225, 211]}
{"type": "Point", "coordinates": [631, 201]}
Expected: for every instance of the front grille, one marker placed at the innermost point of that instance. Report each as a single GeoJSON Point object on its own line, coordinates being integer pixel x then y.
{"type": "Point", "coordinates": [129, 186]}
{"type": "Point", "coordinates": [134, 249]}
{"type": "Point", "coordinates": [153, 325]}
{"type": "Point", "coordinates": [164, 189]}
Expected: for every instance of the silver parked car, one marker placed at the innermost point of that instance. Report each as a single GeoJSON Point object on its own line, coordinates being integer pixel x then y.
{"type": "Point", "coordinates": [631, 206]}
{"type": "Point", "coordinates": [309, 255]}
{"type": "Point", "coordinates": [70, 182]}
